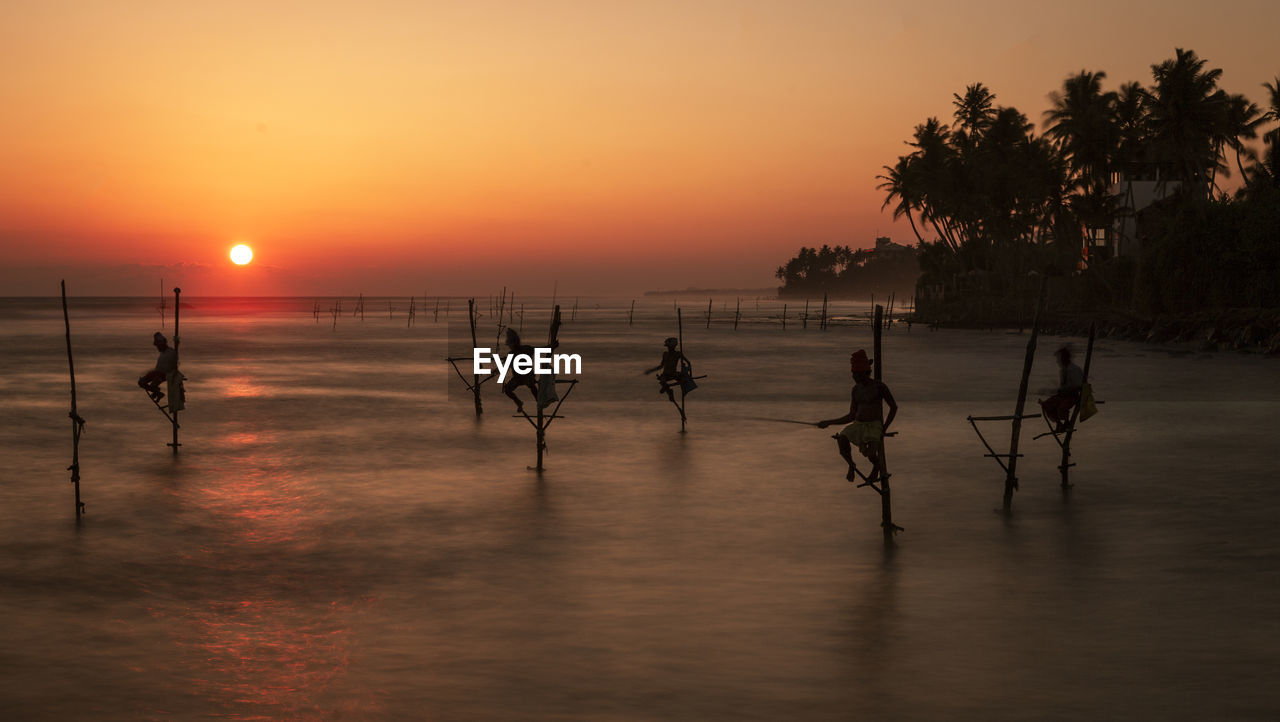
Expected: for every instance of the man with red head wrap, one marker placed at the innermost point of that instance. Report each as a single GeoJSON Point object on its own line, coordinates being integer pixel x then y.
{"type": "Point", "coordinates": [866, 420]}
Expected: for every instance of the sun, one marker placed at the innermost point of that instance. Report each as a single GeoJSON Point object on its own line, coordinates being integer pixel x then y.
{"type": "Point", "coordinates": [241, 254]}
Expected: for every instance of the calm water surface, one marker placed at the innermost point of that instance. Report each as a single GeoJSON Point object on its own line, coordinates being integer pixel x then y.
{"type": "Point", "coordinates": [341, 538]}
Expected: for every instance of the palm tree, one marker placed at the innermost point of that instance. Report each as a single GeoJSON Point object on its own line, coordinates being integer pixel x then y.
{"type": "Point", "coordinates": [974, 114]}
{"type": "Point", "coordinates": [1267, 169]}
{"type": "Point", "coordinates": [898, 185]}
{"type": "Point", "coordinates": [933, 170]}
{"type": "Point", "coordinates": [1082, 120]}
{"type": "Point", "coordinates": [1185, 110]}
{"type": "Point", "coordinates": [1240, 122]}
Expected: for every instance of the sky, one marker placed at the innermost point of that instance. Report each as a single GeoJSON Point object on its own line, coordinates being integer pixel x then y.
{"type": "Point", "coordinates": [430, 148]}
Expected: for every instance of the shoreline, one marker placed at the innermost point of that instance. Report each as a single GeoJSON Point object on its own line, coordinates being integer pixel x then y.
{"type": "Point", "coordinates": [1241, 330]}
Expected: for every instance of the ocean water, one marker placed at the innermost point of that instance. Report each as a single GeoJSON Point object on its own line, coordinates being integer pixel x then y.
{"type": "Point", "coordinates": [341, 538]}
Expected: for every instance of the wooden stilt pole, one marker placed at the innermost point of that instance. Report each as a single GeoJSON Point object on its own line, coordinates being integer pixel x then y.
{"type": "Point", "coordinates": [680, 345]}
{"type": "Point", "coordinates": [475, 378]}
{"type": "Point", "coordinates": [502, 304]}
{"type": "Point", "coordinates": [886, 505]}
{"type": "Point", "coordinates": [1075, 415]}
{"type": "Point", "coordinates": [823, 323]}
{"type": "Point", "coordinates": [173, 410]}
{"type": "Point", "coordinates": [708, 313]}
{"type": "Point", "coordinates": [804, 320]}
{"type": "Point", "coordinates": [543, 421]}
{"type": "Point", "coordinates": [784, 317]}
{"type": "Point", "coordinates": [1011, 477]}
{"type": "Point", "coordinates": [631, 315]}
{"type": "Point", "coordinates": [737, 314]}
{"type": "Point", "coordinates": [77, 423]}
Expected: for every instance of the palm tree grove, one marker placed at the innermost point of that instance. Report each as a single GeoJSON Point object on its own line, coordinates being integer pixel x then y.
{"type": "Point", "coordinates": [1140, 202]}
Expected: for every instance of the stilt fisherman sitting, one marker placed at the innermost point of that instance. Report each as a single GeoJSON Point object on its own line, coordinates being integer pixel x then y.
{"type": "Point", "coordinates": [677, 371]}
{"type": "Point", "coordinates": [166, 363]}
{"type": "Point", "coordinates": [866, 421]}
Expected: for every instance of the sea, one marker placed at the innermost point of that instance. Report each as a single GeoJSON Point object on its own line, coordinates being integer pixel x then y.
{"type": "Point", "coordinates": [341, 537]}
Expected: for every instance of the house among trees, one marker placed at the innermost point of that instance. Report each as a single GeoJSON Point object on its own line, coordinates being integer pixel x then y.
{"type": "Point", "coordinates": [1135, 188]}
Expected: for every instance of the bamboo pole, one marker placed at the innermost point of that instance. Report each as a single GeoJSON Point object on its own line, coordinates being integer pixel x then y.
{"type": "Point", "coordinates": [1075, 415]}
{"type": "Point", "coordinates": [177, 308]}
{"type": "Point", "coordinates": [1011, 478]}
{"type": "Point", "coordinates": [886, 505]}
{"type": "Point", "coordinates": [502, 305]}
{"type": "Point", "coordinates": [804, 320]}
{"type": "Point", "coordinates": [475, 378]}
{"type": "Point", "coordinates": [77, 423]}
{"type": "Point", "coordinates": [552, 343]}
{"type": "Point", "coordinates": [784, 317]}
{"type": "Point", "coordinates": [823, 323]}
{"type": "Point", "coordinates": [737, 313]}
{"type": "Point", "coordinates": [680, 345]}
{"type": "Point", "coordinates": [631, 315]}
{"type": "Point", "coordinates": [436, 318]}
{"type": "Point", "coordinates": [708, 313]}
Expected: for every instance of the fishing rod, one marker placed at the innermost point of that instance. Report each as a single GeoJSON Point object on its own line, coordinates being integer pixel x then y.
{"type": "Point", "coordinates": [781, 421]}
{"type": "Point", "coordinates": [802, 423]}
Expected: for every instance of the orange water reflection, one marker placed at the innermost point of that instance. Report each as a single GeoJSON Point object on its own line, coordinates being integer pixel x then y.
{"type": "Point", "coordinates": [242, 387]}
{"type": "Point", "coordinates": [267, 658]}
{"type": "Point", "coordinates": [271, 636]}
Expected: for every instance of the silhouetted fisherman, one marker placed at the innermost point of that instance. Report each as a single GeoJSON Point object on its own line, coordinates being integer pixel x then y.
{"type": "Point", "coordinates": [866, 421]}
{"type": "Point", "coordinates": [514, 380]}
{"type": "Point", "coordinates": [1057, 408]}
{"type": "Point", "coordinates": [166, 363]}
{"type": "Point", "coordinates": [676, 370]}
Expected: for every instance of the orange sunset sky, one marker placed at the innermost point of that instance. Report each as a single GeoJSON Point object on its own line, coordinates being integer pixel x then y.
{"type": "Point", "coordinates": [457, 147]}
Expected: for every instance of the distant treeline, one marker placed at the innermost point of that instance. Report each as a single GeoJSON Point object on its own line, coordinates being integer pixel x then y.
{"type": "Point", "coordinates": [841, 271]}
{"type": "Point", "coordinates": [1121, 196]}
{"type": "Point", "coordinates": [744, 292]}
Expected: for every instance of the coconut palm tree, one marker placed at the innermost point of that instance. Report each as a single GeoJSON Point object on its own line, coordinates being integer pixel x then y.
{"type": "Point", "coordinates": [1266, 170]}
{"type": "Point", "coordinates": [1240, 122]}
{"type": "Point", "coordinates": [897, 185]}
{"type": "Point", "coordinates": [1185, 112]}
{"type": "Point", "coordinates": [1082, 121]}
{"type": "Point", "coordinates": [974, 114]}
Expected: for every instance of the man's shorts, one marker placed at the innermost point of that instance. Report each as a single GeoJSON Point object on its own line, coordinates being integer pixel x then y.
{"type": "Point", "coordinates": [864, 434]}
